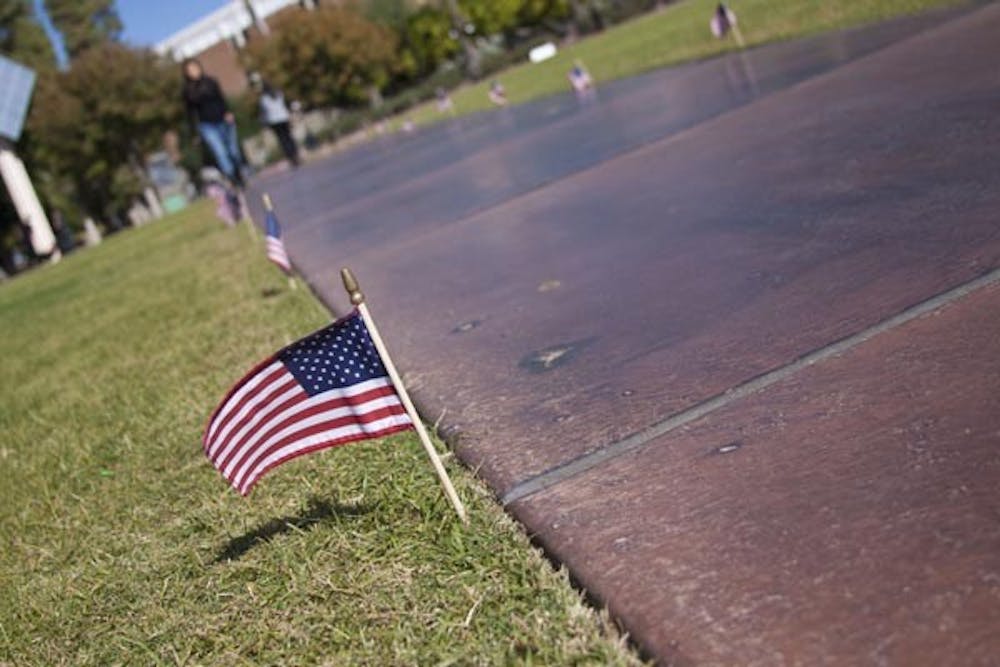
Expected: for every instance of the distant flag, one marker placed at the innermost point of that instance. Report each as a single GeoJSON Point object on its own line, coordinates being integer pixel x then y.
{"type": "Point", "coordinates": [327, 389]}
{"type": "Point", "coordinates": [275, 246]}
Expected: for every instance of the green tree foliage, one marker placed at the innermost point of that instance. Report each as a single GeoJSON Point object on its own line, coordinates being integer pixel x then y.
{"type": "Point", "coordinates": [332, 56]}
{"type": "Point", "coordinates": [495, 16]}
{"type": "Point", "coordinates": [22, 37]}
{"type": "Point", "coordinates": [427, 40]}
{"type": "Point", "coordinates": [84, 23]}
{"type": "Point", "coordinates": [94, 123]}
{"type": "Point", "coordinates": [491, 16]}
{"type": "Point", "coordinates": [533, 12]}
{"type": "Point", "coordinates": [387, 12]}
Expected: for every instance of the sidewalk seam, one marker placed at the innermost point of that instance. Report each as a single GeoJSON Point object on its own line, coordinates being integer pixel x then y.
{"type": "Point", "coordinates": [574, 467]}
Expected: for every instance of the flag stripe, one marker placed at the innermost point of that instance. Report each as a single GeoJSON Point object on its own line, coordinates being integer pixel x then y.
{"type": "Point", "coordinates": [323, 440]}
{"type": "Point", "coordinates": [277, 249]}
{"type": "Point", "coordinates": [276, 253]}
{"type": "Point", "coordinates": [326, 389]}
{"type": "Point", "coordinates": [241, 393]}
{"type": "Point", "coordinates": [262, 395]}
{"type": "Point", "coordinates": [308, 408]}
{"type": "Point", "coordinates": [373, 411]}
{"type": "Point", "coordinates": [287, 400]}
{"type": "Point", "coordinates": [249, 409]}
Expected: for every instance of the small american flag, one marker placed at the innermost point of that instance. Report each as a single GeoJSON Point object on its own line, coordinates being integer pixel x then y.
{"type": "Point", "coordinates": [328, 389]}
{"type": "Point", "coordinates": [275, 246]}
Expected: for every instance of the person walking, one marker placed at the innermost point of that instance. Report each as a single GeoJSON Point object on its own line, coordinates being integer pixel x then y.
{"type": "Point", "coordinates": [275, 114]}
{"type": "Point", "coordinates": [212, 121]}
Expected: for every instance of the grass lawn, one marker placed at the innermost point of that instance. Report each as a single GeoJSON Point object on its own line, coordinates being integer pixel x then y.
{"type": "Point", "coordinates": [120, 544]}
{"type": "Point", "coordinates": [676, 34]}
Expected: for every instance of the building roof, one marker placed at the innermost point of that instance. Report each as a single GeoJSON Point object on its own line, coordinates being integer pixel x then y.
{"type": "Point", "coordinates": [227, 22]}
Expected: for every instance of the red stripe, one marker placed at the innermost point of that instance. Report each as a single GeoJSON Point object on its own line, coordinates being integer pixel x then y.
{"type": "Point", "coordinates": [221, 409]}
{"type": "Point", "coordinates": [225, 412]}
{"type": "Point", "coordinates": [323, 445]}
{"type": "Point", "coordinates": [261, 395]}
{"type": "Point", "coordinates": [268, 410]}
{"type": "Point", "coordinates": [332, 404]}
{"type": "Point", "coordinates": [281, 264]}
{"type": "Point", "coordinates": [346, 420]}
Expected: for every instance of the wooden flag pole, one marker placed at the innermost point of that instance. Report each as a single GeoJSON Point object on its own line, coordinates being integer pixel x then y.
{"type": "Point", "coordinates": [245, 210]}
{"type": "Point", "coordinates": [358, 299]}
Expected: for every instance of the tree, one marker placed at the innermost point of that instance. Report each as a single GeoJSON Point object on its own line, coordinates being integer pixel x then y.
{"type": "Point", "coordinates": [22, 37]}
{"type": "Point", "coordinates": [459, 22]}
{"type": "Point", "coordinates": [392, 13]}
{"type": "Point", "coordinates": [491, 16]}
{"type": "Point", "coordinates": [533, 12]}
{"type": "Point", "coordinates": [84, 23]}
{"type": "Point", "coordinates": [330, 56]}
{"type": "Point", "coordinates": [94, 123]}
{"type": "Point", "coordinates": [427, 39]}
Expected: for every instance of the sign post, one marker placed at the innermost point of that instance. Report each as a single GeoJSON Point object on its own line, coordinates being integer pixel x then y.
{"type": "Point", "coordinates": [17, 83]}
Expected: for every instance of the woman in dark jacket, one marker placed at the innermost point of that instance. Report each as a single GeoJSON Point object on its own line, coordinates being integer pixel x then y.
{"type": "Point", "coordinates": [211, 119]}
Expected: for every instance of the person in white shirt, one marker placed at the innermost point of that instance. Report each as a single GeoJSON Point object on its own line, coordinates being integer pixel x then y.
{"type": "Point", "coordinates": [274, 113]}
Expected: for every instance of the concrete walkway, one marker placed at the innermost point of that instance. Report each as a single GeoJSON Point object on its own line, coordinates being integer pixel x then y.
{"type": "Point", "coordinates": [726, 341]}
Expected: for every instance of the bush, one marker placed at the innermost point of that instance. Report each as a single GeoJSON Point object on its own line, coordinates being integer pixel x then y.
{"type": "Point", "coordinates": [329, 57]}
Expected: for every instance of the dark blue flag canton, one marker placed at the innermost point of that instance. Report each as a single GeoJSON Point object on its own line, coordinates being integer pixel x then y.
{"type": "Point", "coordinates": [273, 228]}
{"type": "Point", "coordinates": [338, 356]}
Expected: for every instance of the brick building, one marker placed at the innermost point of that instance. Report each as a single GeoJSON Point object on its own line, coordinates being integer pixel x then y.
{"type": "Point", "coordinates": [216, 39]}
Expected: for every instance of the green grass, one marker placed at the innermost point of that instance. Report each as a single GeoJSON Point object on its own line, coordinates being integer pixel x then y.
{"type": "Point", "coordinates": [120, 544]}
{"type": "Point", "coordinates": [673, 35]}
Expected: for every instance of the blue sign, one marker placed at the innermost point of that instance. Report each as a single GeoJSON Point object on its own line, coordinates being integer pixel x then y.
{"type": "Point", "coordinates": [16, 84]}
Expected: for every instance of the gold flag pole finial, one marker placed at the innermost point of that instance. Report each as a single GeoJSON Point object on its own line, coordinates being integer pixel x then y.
{"type": "Point", "coordinates": [352, 287]}
{"type": "Point", "coordinates": [268, 204]}
{"type": "Point", "coordinates": [358, 300]}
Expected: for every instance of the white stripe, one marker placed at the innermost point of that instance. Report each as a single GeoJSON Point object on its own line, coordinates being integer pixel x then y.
{"type": "Point", "coordinates": [232, 473]}
{"type": "Point", "coordinates": [279, 387]}
{"type": "Point", "coordinates": [326, 415]}
{"type": "Point", "coordinates": [260, 403]}
{"type": "Point", "coordinates": [345, 392]}
{"type": "Point", "coordinates": [266, 400]}
{"type": "Point", "coordinates": [334, 434]}
{"type": "Point", "coordinates": [281, 261]}
{"type": "Point", "coordinates": [276, 249]}
{"type": "Point", "coordinates": [238, 396]}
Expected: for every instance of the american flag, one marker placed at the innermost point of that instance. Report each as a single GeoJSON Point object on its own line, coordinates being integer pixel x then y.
{"type": "Point", "coordinates": [328, 389]}
{"type": "Point", "coordinates": [275, 246]}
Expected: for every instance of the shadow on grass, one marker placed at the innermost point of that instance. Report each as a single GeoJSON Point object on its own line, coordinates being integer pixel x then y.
{"type": "Point", "coordinates": [317, 512]}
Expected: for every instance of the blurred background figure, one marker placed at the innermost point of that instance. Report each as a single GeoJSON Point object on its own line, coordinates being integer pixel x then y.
{"type": "Point", "coordinates": [723, 22]}
{"type": "Point", "coordinates": [211, 120]}
{"type": "Point", "coordinates": [444, 103]}
{"type": "Point", "coordinates": [581, 81]}
{"type": "Point", "coordinates": [275, 114]}
{"type": "Point", "coordinates": [215, 189]}
{"type": "Point", "coordinates": [64, 235]}
{"type": "Point", "coordinates": [497, 94]}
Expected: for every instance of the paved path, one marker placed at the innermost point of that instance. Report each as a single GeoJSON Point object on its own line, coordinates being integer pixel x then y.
{"type": "Point", "coordinates": [726, 341]}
